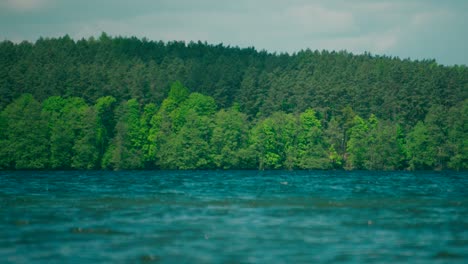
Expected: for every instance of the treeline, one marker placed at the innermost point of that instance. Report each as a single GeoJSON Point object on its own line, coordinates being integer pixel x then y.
{"type": "Point", "coordinates": [108, 103]}
{"type": "Point", "coordinates": [261, 83]}
{"type": "Point", "coordinates": [188, 130]}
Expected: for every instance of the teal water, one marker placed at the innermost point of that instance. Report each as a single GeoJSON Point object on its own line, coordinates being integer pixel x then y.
{"type": "Point", "coordinates": [233, 217]}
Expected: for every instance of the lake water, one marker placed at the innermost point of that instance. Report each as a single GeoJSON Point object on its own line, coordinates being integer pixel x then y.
{"type": "Point", "coordinates": [233, 217]}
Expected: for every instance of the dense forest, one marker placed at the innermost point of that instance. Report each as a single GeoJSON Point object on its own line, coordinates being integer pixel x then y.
{"type": "Point", "coordinates": [126, 103]}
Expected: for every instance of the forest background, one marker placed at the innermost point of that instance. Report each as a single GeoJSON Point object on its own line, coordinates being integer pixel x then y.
{"type": "Point", "coordinates": [128, 103]}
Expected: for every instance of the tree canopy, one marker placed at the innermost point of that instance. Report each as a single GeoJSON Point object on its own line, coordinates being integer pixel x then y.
{"type": "Point", "coordinates": [125, 103]}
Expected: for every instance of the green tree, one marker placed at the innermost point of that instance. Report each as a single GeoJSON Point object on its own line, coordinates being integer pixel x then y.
{"type": "Point", "coordinates": [338, 130]}
{"type": "Point", "coordinates": [64, 117]}
{"type": "Point", "coordinates": [421, 148]}
{"type": "Point", "coordinates": [436, 121]}
{"type": "Point", "coordinates": [148, 146]}
{"type": "Point", "coordinates": [185, 144]}
{"type": "Point", "coordinates": [105, 123]}
{"type": "Point", "coordinates": [125, 149]}
{"type": "Point", "coordinates": [274, 141]}
{"type": "Point", "coordinates": [457, 140]}
{"type": "Point", "coordinates": [189, 147]}
{"type": "Point", "coordinates": [24, 135]}
{"type": "Point", "coordinates": [357, 144]}
{"type": "Point", "coordinates": [161, 123]}
{"type": "Point", "coordinates": [311, 147]}
{"type": "Point", "coordinates": [386, 149]}
{"type": "Point", "coordinates": [87, 144]}
{"type": "Point", "coordinates": [229, 140]}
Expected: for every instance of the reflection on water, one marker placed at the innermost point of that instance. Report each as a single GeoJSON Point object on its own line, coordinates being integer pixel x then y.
{"type": "Point", "coordinates": [234, 217]}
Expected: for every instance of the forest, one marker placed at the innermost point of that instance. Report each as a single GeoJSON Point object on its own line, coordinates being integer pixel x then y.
{"type": "Point", "coordinates": [127, 103]}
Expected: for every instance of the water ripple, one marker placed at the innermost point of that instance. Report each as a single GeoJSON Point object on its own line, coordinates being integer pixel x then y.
{"type": "Point", "coordinates": [233, 216]}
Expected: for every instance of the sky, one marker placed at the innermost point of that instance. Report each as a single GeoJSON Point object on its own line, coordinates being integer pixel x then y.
{"type": "Point", "coordinates": [415, 29]}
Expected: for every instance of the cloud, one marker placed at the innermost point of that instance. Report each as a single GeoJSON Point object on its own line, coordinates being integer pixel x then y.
{"type": "Point", "coordinates": [425, 18]}
{"type": "Point", "coordinates": [156, 26]}
{"type": "Point", "coordinates": [385, 27]}
{"type": "Point", "coordinates": [291, 29]}
{"type": "Point", "coordinates": [416, 28]}
{"type": "Point", "coordinates": [373, 42]}
{"type": "Point", "coordinates": [26, 5]}
{"type": "Point", "coordinates": [319, 19]}
{"type": "Point", "coordinates": [382, 7]}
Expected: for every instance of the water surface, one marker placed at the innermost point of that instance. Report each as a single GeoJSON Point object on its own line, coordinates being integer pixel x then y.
{"type": "Point", "coordinates": [233, 217]}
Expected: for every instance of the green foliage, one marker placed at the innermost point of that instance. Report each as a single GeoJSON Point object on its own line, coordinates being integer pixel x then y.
{"type": "Point", "coordinates": [87, 146]}
{"type": "Point", "coordinates": [274, 141]}
{"type": "Point", "coordinates": [189, 148]}
{"type": "Point", "coordinates": [105, 123]}
{"type": "Point", "coordinates": [178, 93]}
{"type": "Point", "coordinates": [125, 149]}
{"type": "Point", "coordinates": [121, 103]}
{"type": "Point", "coordinates": [24, 135]}
{"type": "Point", "coordinates": [375, 145]}
{"type": "Point", "coordinates": [385, 149]}
{"type": "Point", "coordinates": [64, 118]}
{"type": "Point", "coordinates": [457, 141]}
{"type": "Point", "coordinates": [421, 148]}
{"type": "Point", "coordinates": [148, 140]}
{"type": "Point", "coordinates": [229, 140]}
{"type": "Point", "coordinates": [183, 131]}
{"type": "Point", "coordinates": [436, 121]}
{"type": "Point", "coordinates": [311, 146]}
{"type": "Point", "coordinates": [262, 83]}
{"type": "Point", "coordinates": [66, 133]}
{"type": "Point", "coordinates": [358, 144]}
{"type": "Point", "coordinates": [196, 102]}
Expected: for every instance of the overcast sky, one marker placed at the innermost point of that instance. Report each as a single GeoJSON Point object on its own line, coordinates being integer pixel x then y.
{"type": "Point", "coordinates": [418, 29]}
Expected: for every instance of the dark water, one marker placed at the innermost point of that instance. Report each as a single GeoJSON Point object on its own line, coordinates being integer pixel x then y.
{"type": "Point", "coordinates": [233, 217]}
